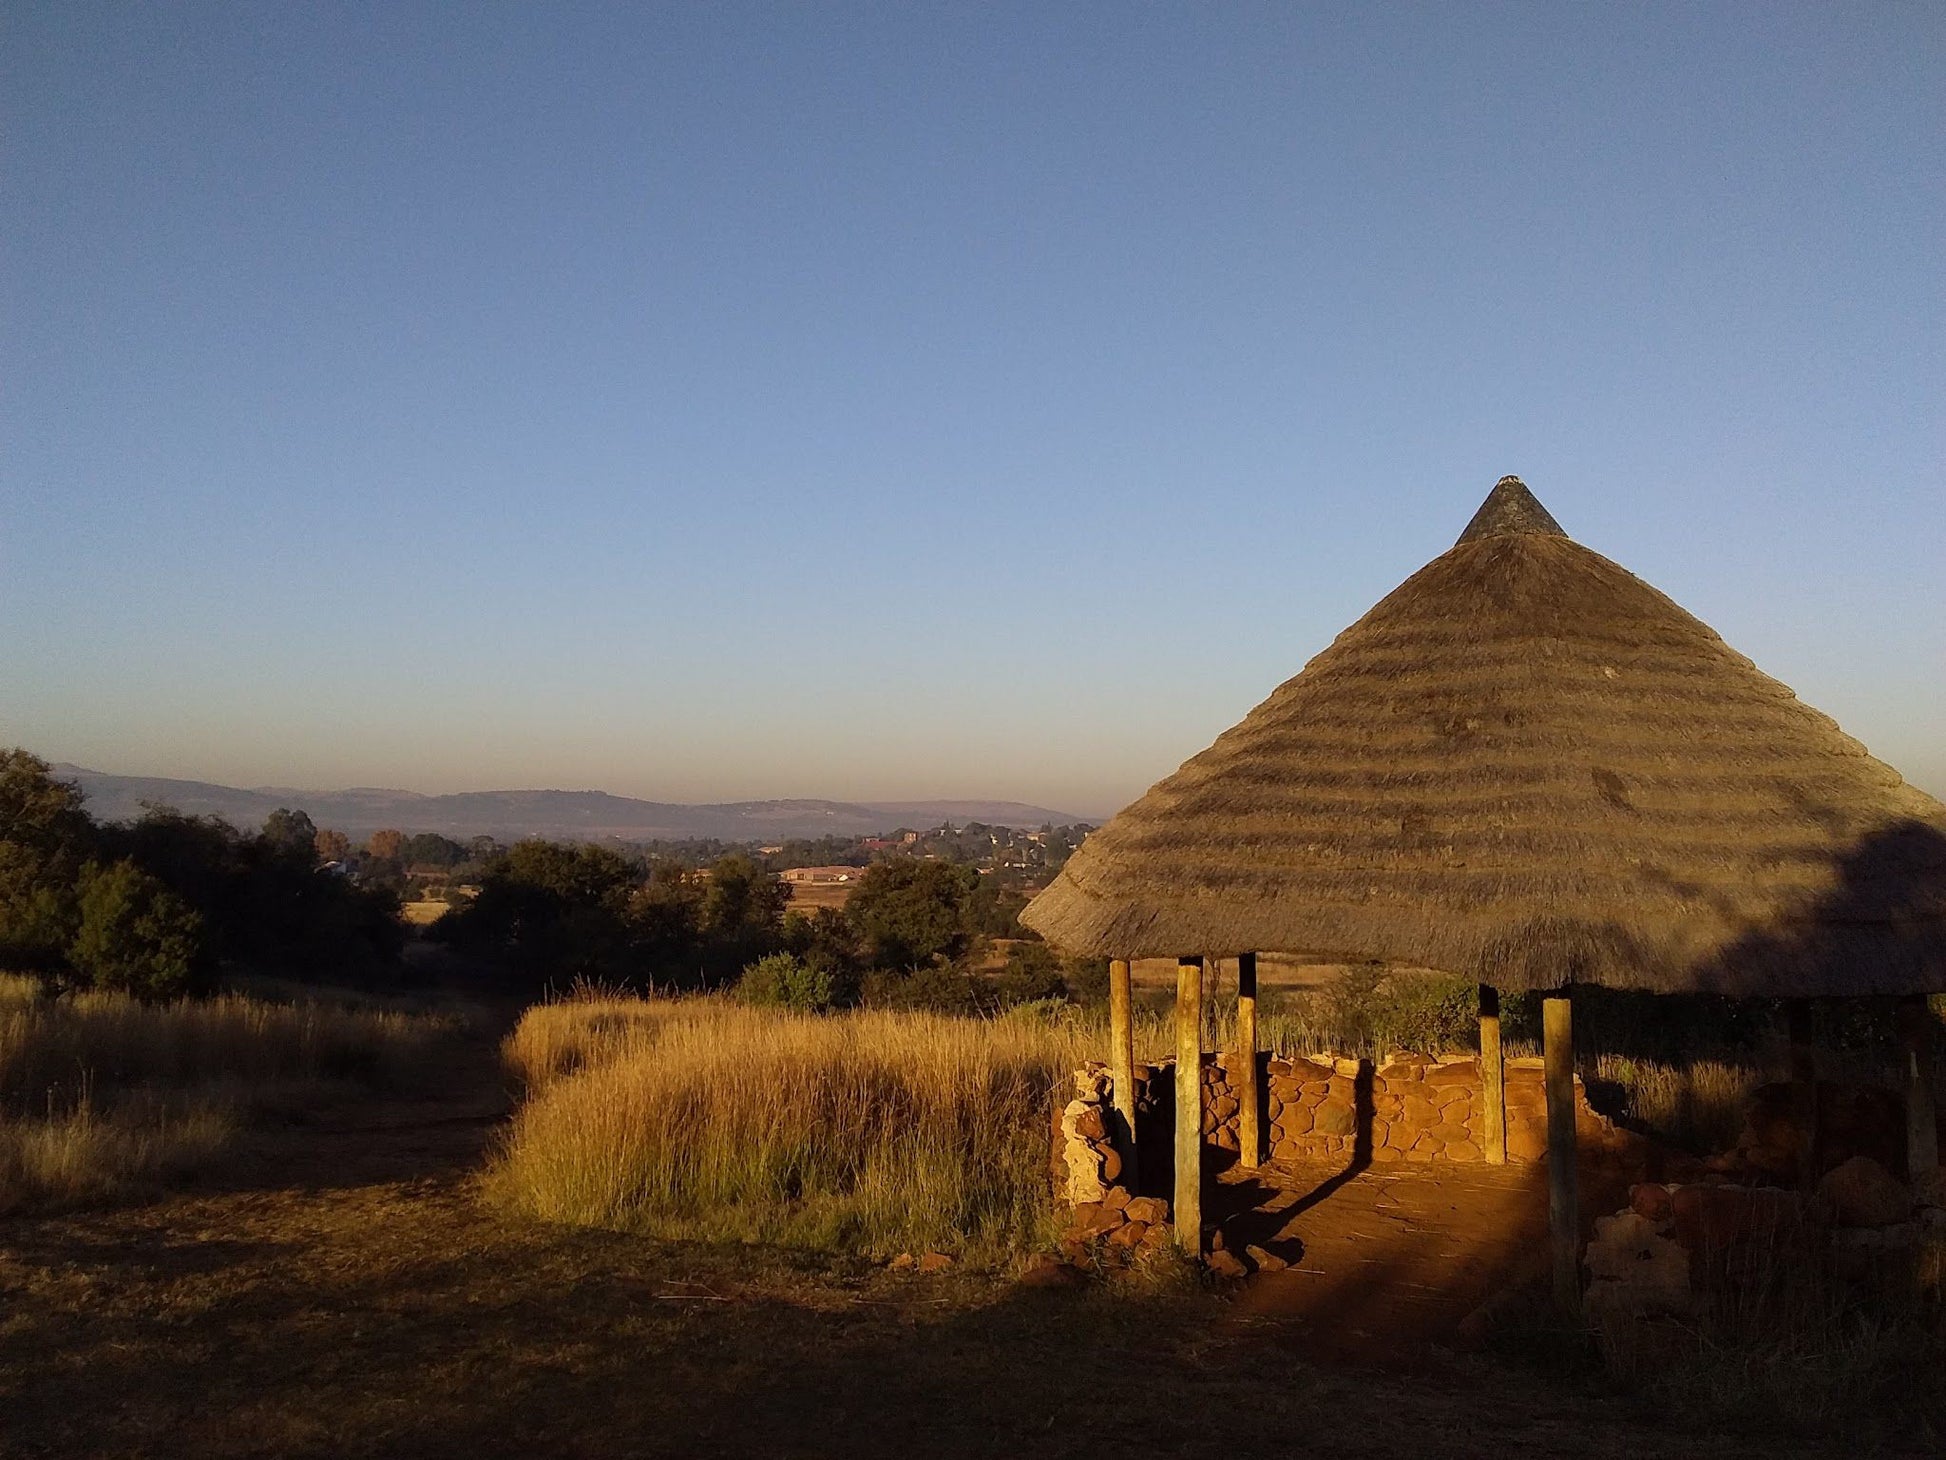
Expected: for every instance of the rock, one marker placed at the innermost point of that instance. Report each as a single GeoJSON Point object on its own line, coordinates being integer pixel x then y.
{"type": "Point", "coordinates": [1088, 1123]}
{"type": "Point", "coordinates": [904, 1262]}
{"type": "Point", "coordinates": [1265, 1260]}
{"type": "Point", "coordinates": [1462, 1151]}
{"type": "Point", "coordinates": [1448, 1095]}
{"type": "Point", "coordinates": [1525, 1144]}
{"type": "Point", "coordinates": [1129, 1234]}
{"type": "Point", "coordinates": [1084, 1173]}
{"type": "Point", "coordinates": [1150, 1209]}
{"type": "Point", "coordinates": [1863, 1193]}
{"type": "Point", "coordinates": [1049, 1272]}
{"type": "Point", "coordinates": [1298, 1120]}
{"type": "Point", "coordinates": [1462, 1072]}
{"type": "Point", "coordinates": [1115, 1198]}
{"type": "Point", "coordinates": [1387, 1153]}
{"type": "Point", "coordinates": [1286, 1150]}
{"type": "Point", "coordinates": [1419, 1111]}
{"type": "Point", "coordinates": [1226, 1265]}
{"type": "Point", "coordinates": [1651, 1201]}
{"type": "Point", "coordinates": [934, 1262]}
{"type": "Point", "coordinates": [1336, 1118]}
{"type": "Point", "coordinates": [1711, 1218]}
{"type": "Point", "coordinates": [1633, 1269]}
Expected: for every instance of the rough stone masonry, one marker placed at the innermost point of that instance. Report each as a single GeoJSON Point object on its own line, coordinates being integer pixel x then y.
{"type": "Point", "coordinates": [1408, 1107]}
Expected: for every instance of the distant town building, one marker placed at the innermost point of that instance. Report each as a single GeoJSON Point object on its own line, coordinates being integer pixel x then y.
{"type": "Point", "coordinates": [822, 874]}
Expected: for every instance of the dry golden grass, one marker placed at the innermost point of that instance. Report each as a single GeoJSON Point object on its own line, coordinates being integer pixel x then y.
{"type": "Point", "coordinates": [101, 1095]}
{"type": "Point", "coordinates": [1698, 1105]}
{"type": "Point", "coordinates": [557, 1039]}
{"type": "Point", "coordinates": [872, 1131]}
{"type": "Point", "coordinates": [868, 1132]}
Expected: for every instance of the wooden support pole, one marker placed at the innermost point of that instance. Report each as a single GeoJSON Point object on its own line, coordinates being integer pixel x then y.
{"type": "Point", "coordinates": [1493, 1078]}
{"type": "Point", "coordinates": [1563, 1202]}
{"type": "Point", "coordinates": [1189, 1105]}
{"type": "Point", "coordinates": [1249, 1137]}
{"type": "Point", "coordinates": [1804, 1076]}
{"type": "Point", "coordinates": [1121, 1068]}
{"type": "Point", "coordinates": [1921, 1115]}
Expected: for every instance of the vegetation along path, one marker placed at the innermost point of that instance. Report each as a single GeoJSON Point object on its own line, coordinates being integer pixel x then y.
{"type": "Point", "coordinates": [344, 1291]}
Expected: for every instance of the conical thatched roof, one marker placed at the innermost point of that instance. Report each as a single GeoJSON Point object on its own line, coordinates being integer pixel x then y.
{"type": "Point", "coordinates": [1529, 767]}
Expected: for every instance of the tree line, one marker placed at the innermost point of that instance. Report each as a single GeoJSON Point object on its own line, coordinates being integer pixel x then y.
{"type": "Point", "coordinates": [154, 907]}
{"type": "Point", "coordinates": [551, 914]}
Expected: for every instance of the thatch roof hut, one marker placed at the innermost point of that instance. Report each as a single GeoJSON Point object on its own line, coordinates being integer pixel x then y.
{"type": "Point", "coordinates": [1527, 766]}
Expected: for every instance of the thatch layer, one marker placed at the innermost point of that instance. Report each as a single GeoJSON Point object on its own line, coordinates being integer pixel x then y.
{"type": "Point", "coordinates": [1527, 766]}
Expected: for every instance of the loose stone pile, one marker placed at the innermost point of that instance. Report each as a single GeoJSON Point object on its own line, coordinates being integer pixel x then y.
{"type": "Point", "coordinates": [1675, 1241]}
{"type": "Point", "coordinates": [1105, 1219]}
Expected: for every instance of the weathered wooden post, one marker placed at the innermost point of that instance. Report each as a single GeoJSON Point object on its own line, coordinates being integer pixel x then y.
{"type": "Point", "coordinates": [1563, 1201]}
{"type": "Point", "coordinates": [1189, 1105]}
{"type": "Point", "coordinates": [1921, 1116]}
{"type": "Point", "coordinates": [1121, 1067]}
{"type": "Point", "coordinates": [1244, 1076]}
{"type": "Point", "coordinates": [1804, 1077]}
{"type": "Point", "coordinates": [1493, 1078]}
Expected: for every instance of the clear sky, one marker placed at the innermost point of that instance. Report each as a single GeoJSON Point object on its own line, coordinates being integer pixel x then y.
{"type": "Point", "coordinates": [718, 401]}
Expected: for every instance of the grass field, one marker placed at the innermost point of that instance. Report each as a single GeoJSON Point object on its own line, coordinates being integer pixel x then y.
{"type": "Point", "coordinates": [370, 1276]}
{"type": "Point", "coordinates": [102, 1097]}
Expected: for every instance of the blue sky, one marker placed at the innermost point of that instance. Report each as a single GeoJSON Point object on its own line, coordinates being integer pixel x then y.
{"type": "Point", "coordinates": [714, 401]}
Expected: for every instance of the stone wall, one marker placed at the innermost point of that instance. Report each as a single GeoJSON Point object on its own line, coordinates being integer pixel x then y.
{"type": "Point", "coordinates": [1409, 1107]}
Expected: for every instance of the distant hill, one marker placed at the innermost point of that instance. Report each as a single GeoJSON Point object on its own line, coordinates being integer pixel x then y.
{"type": "Point", "coordinates": [579, 815]}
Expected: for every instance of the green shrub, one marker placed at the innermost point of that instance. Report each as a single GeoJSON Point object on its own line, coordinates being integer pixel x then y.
{"type": "Point", "coordinates": [813, 984]}
{"type": "Point", "coordinates": [135, 936]}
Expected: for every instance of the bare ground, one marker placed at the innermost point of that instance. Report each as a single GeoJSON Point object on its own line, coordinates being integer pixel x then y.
{"type": "Point", "coordinates": [342, 1291]}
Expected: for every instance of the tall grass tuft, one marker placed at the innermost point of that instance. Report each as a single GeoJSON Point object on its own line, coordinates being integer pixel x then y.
{"type": "Point", "coordinates": [869, 1132]}
{"type": "Point", "coordinates": [1698, 1106]}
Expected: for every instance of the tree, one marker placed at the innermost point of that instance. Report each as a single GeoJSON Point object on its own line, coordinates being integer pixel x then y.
{"type": "Point", "coordinates": [134, 935]}
{"type": "Point", "coordinates": [45, 837]}
{"type": "Point", "coordinates": [741, 899]}
{"type": "Point", "coordinates": [430, 849]}
{"type": "Point", "coordinates": [292, 834]}
{"type": "Point", "coordinates": [386, 845]}
{"type": "Point", "coordinates": [912, 912]}
{"type": "Point", "coordinates": [332, 846]}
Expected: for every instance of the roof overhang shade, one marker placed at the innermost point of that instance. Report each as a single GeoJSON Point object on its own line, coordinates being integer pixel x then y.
{"type": "Point", "coordinates": [1529, 767]}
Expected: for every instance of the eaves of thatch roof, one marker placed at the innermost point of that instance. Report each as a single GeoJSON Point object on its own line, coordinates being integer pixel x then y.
{"type": "Point", "coordinates": [1529, 767]}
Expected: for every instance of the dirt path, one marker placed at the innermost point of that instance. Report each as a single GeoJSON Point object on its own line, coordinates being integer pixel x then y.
{"type": "Point", "coordinates": [344, 1291]}
{"type": "Point", "coordinates": [1387, 1264]}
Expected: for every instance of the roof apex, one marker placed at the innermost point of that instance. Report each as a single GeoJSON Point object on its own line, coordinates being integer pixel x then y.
{"type": "Point", "coordinates": [1510, 510]}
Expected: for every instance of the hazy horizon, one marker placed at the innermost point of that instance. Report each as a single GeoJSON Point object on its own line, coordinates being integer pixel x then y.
{"type": "Point", "coordinates": [745, 402]}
